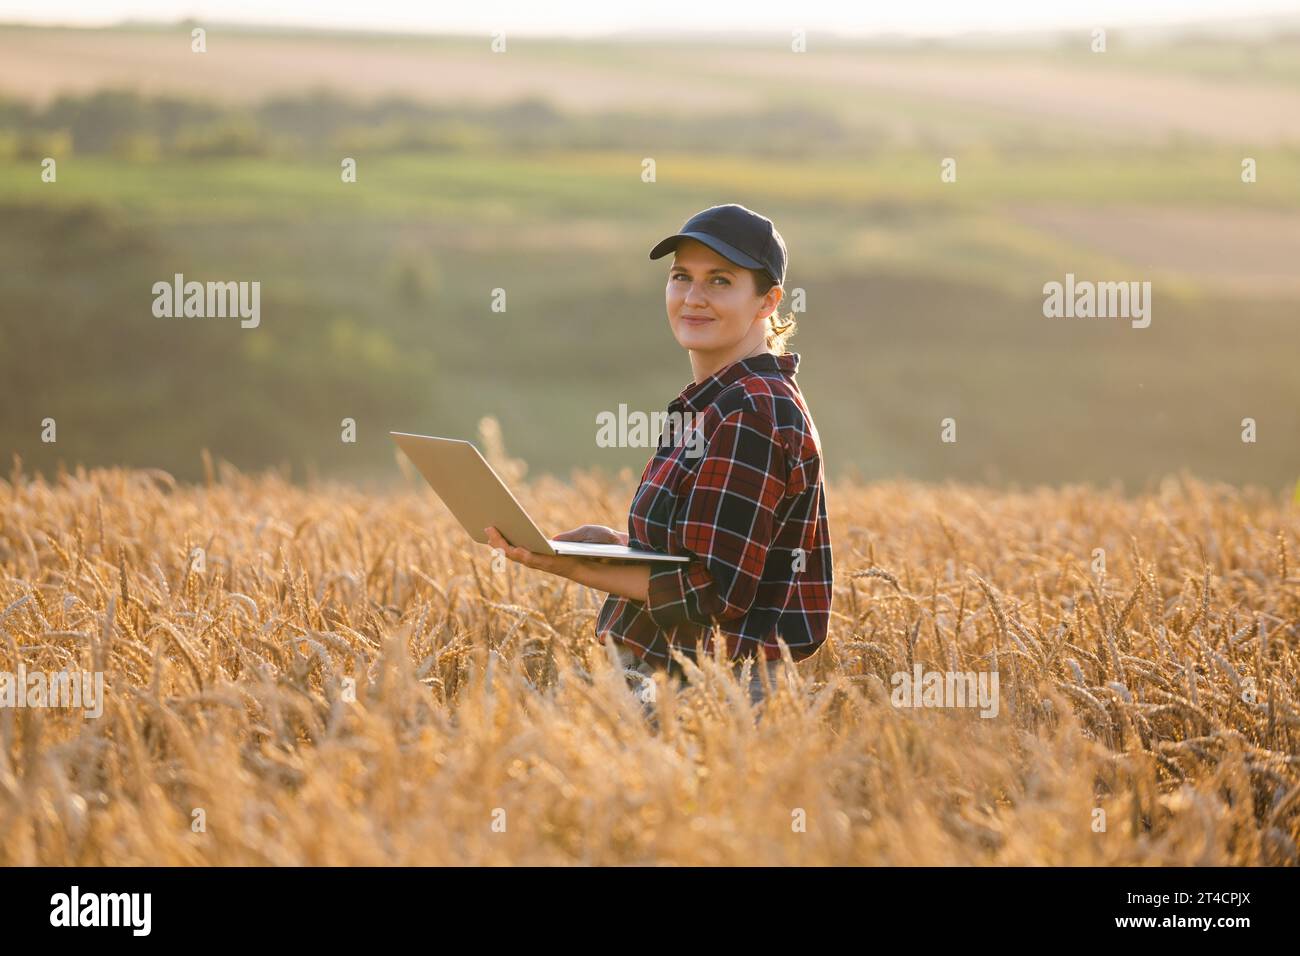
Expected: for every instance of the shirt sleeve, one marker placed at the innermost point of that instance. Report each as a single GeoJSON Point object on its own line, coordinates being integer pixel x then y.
{"type": "Point", "coordinates": [726, 525]}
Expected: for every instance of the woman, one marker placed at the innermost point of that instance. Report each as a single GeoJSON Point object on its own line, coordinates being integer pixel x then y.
{"type": "Point", "coordinates": [747, 502]}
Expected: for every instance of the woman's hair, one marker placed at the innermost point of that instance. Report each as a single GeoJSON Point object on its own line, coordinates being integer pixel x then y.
{"type": "Point", "coordinates": [777, 331]}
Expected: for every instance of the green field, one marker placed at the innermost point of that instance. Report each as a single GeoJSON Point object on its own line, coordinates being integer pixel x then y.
{"type": "Point", "coordinates": [924, 298]}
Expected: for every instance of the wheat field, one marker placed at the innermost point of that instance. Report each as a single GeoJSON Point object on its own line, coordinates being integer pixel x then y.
{"type": "Point", "coordinates": [312, 674]}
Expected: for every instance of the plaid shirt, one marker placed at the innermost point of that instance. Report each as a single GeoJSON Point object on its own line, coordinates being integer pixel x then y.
{"type": "Point", "coordinates": [745, 499]}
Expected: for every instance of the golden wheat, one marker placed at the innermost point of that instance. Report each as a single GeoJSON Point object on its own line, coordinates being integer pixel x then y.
{"type": "Point", "coordinates": [322, 676]}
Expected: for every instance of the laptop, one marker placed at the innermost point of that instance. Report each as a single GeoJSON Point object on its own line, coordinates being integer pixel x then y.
{"type": "Point", "coordinates": [477, 496]}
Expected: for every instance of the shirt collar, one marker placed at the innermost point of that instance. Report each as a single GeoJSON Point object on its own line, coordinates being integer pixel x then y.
{"type": "Point", "coordinates": [697, 396]}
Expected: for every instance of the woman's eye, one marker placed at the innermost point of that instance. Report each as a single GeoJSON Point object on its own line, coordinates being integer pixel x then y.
{"type": "Point", "coordinates": [722, 279]}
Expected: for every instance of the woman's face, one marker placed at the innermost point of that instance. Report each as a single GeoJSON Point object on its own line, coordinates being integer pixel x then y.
{"type": "Point", "coordinates": [712, 304]}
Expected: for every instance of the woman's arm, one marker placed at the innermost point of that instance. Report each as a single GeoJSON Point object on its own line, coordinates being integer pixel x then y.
{"type": "Point", "coordinates": [626, 580]}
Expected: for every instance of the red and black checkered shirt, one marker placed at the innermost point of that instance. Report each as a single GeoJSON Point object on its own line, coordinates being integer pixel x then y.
{"type": "Point", "coordinates": [745, 499]}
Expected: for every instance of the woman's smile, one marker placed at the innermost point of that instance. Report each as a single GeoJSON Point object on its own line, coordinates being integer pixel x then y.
{"type": "Point", "coordinates": [714, 309]}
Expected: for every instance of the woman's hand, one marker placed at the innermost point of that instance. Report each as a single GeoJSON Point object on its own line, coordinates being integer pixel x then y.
{"type": "Point", "coordinates": [631, 581]}
{"type": "Point", "coordinates": [566, 566]}
{"type": "Point", "coordinates": [594, 534]}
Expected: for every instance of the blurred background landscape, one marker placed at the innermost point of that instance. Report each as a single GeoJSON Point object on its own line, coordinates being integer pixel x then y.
{"type": "Point", "coordinates": [522, 171]}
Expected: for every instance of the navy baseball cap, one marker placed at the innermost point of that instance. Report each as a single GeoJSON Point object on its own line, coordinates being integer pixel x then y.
{"type": "Point", "coordinates": [737, 233]}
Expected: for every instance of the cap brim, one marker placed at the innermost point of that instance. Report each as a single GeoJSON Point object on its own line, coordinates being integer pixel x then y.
{"type": "Point", "coordinates": [717, 245]}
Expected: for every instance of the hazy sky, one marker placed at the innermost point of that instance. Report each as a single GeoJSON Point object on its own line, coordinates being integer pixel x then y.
{"type": "Point", "coordinates": [587, 17]}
